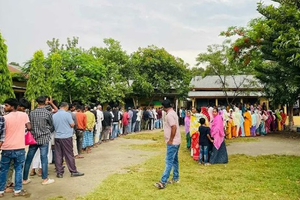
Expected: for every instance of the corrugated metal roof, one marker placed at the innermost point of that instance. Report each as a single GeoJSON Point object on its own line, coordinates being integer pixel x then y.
{"type": "Point", "coordinates": [235, 81]}
{"type": "Point", "coordinates": [205, 94]}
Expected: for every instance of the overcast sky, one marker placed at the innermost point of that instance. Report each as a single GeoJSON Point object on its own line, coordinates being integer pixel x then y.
{"type": "Point", "coordinates": [183, 27]}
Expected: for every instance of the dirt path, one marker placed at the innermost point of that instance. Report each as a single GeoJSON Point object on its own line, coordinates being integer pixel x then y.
{"type": "Point", "coordinates": [271, 144]}
{"type": "Point", "coordinates": [108, 158]}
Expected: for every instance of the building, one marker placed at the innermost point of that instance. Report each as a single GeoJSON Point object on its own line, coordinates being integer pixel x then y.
{"type": "Point", "coordinates": [19, 81]}
{"type": "Point", "coordinates": [224, 90]}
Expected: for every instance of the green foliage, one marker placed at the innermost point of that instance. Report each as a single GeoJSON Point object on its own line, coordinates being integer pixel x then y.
{"type": "Point", "coordinates": [36, 84]}
{"type": "Point", "coordinates": [6, 90]}
{"type": "Point", "coordinates": [16, 76]}
{"type": "Point", "coordinates": [54, 78]}
{"type": "Point", "coordinates": [113, 85]}
{"type": "Point", "coordinates": [219, 61]}
{"type": "Point", "coordinates": [273, 42]}
{"type": "Point", "coordinates": [157, 71]}
{"type": "Point", "coordinates": [197, 71]}
{"type": "Point", "coordinates": [15, 64]}
{"type": "Point", "coordinates": [105, 74]}
{"type": "Point", "coordinates": [80, 73]}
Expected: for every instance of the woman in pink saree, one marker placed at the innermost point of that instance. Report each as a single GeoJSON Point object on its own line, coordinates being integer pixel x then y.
{"type": "Point", "coordinates": [219, 152]}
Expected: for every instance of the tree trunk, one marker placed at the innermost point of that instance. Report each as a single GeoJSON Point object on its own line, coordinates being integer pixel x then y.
{"type": "Point", "coordinates": [150, 100]}
{"type": "Point", "coordinates": [70, 97]}
{"type": "Point", "coordinates": [134, 102]}
{"type": "Point", "coordinates": [291, 117]}
{"type": "Point", "coordinates": [32, 104]}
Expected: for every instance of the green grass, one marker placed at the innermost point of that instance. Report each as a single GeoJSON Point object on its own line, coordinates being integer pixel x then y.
{"type": "Point", "coordinates": [244, 177]}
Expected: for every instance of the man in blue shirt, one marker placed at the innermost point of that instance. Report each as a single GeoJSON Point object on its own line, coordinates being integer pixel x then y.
{"type": "Point", "coordinates": [63, 125]}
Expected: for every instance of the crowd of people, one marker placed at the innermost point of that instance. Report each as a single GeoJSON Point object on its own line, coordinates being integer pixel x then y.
{"type": "Point", "coordinates": [62, 132]}
{"type": "Point", "coordinates": [207, 127]}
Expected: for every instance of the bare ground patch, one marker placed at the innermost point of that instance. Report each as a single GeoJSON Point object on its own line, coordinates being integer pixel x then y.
{"type": "Point", "coordinates": [106, 159]}
{"type": "Point", "coordinates": [283, 143]}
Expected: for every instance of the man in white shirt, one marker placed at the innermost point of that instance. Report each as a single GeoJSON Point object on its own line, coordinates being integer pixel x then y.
{"type": "Point", "coordinates": [99, 123]}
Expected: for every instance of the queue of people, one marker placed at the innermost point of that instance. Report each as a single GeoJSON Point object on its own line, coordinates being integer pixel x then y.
{"type": "Point", "coordinates": [207, 128]}
{"type": "Point", "coordinates": [45, 123]}
{"type": "Point", "coordinates": [62, 132]}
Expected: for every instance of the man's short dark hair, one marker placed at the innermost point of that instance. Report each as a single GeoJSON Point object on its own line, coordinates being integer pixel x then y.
{"type": "Point", "coordinates": [202, 121]}
{"type": "Point", "coordinates": [41, 100]}
{"type": "Point", "coordinates": [12, 102]}
{"type": "Point", "coordinates": [166, 103]}
{"type": "Point", "coordinates": [108, 108]}
{"type": "Point", "coordinates": [24, 103]}
{"type": "Point", "coordinates": [78, 107]}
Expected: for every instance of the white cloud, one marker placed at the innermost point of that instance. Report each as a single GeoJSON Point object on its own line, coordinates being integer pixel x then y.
{"type": "Point", "coordinates": [184, 28]}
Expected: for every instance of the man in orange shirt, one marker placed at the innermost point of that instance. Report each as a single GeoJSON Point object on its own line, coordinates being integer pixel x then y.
{"type": "Point", "coordinates": [81, 126]}
{"type": "Point", "coordinates": [13, 147]}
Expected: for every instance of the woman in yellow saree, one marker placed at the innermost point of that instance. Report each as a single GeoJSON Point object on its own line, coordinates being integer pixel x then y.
{"type": "Point", "coordinates": [247, 123]}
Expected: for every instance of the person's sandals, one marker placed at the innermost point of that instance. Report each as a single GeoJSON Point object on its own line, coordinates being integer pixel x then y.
{"type": "Point", "coordinates": [49, 181]}
{"type": "Point", "coordinates": [1, 195]}
{"type": "Point", "coordinates": [78, 156]}
{"type": "Point", "coordinates": [173, 181]}
{"type": "Point", "coordinates": [160, 185]}
{"type": "Point", "coordinates": [40, 173]}
{"type": "Point", "coordinates": [22, 193]}
{"type": "Point", "coordinates": [33, 173]}
{"type": "Point", "coordinates": [25, 182]}
{"type": "Point", "coordinates": [9, 190]}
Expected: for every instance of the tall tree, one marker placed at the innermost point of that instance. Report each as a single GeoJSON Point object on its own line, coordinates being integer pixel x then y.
{"type": "Point", "coordinates": [6, 90]}
{"type": "Point", "coordinates": [159, 73]}
{"type": "Point", "coordinates": [53, 76]}
{"type": "Point", "coordinates": [219, 63]}
{"type": "Point", "coordinates": [115, 83]}
{"type": "Point", "coordinates": [275, 38]}
{"type": "Point", "coordinates": [36, 84]}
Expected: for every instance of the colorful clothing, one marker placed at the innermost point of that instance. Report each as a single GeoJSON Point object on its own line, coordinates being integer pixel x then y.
{"type": "Point", "coordinates": [247, 123]}
{"type": "Point", "coordinates": [194, 125]}
{"type": "Point", "coordinates": [219, 152]}
{"type": "Point", "coordinates": [187, 121]}
{"type": "Point", "coordinates": [87, 139]}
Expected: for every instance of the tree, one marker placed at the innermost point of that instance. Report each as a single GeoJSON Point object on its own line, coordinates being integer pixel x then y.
{"type": "Point", "coordinates": [114, 85]}
{"type": "Point", "coordinates": [5, 77]}
{"type": "Point", "coordinates": [15, 64]}
{"type": "Point", "coordinates": [158, 72]}
{"type": "Point", "coordinates": [53, 76]}
{"type": "Point", "coordinates": [219, 62]}
{"type": "Point", "coordinates": [197, 71]}
{"type": "Point", "coordinates": [36, 84]}
{"type": "Point", "coordinates": [275, 39]}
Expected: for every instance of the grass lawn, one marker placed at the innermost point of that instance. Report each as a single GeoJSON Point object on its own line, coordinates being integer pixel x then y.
{"type": "Point", "coordinates": [244, 177]}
